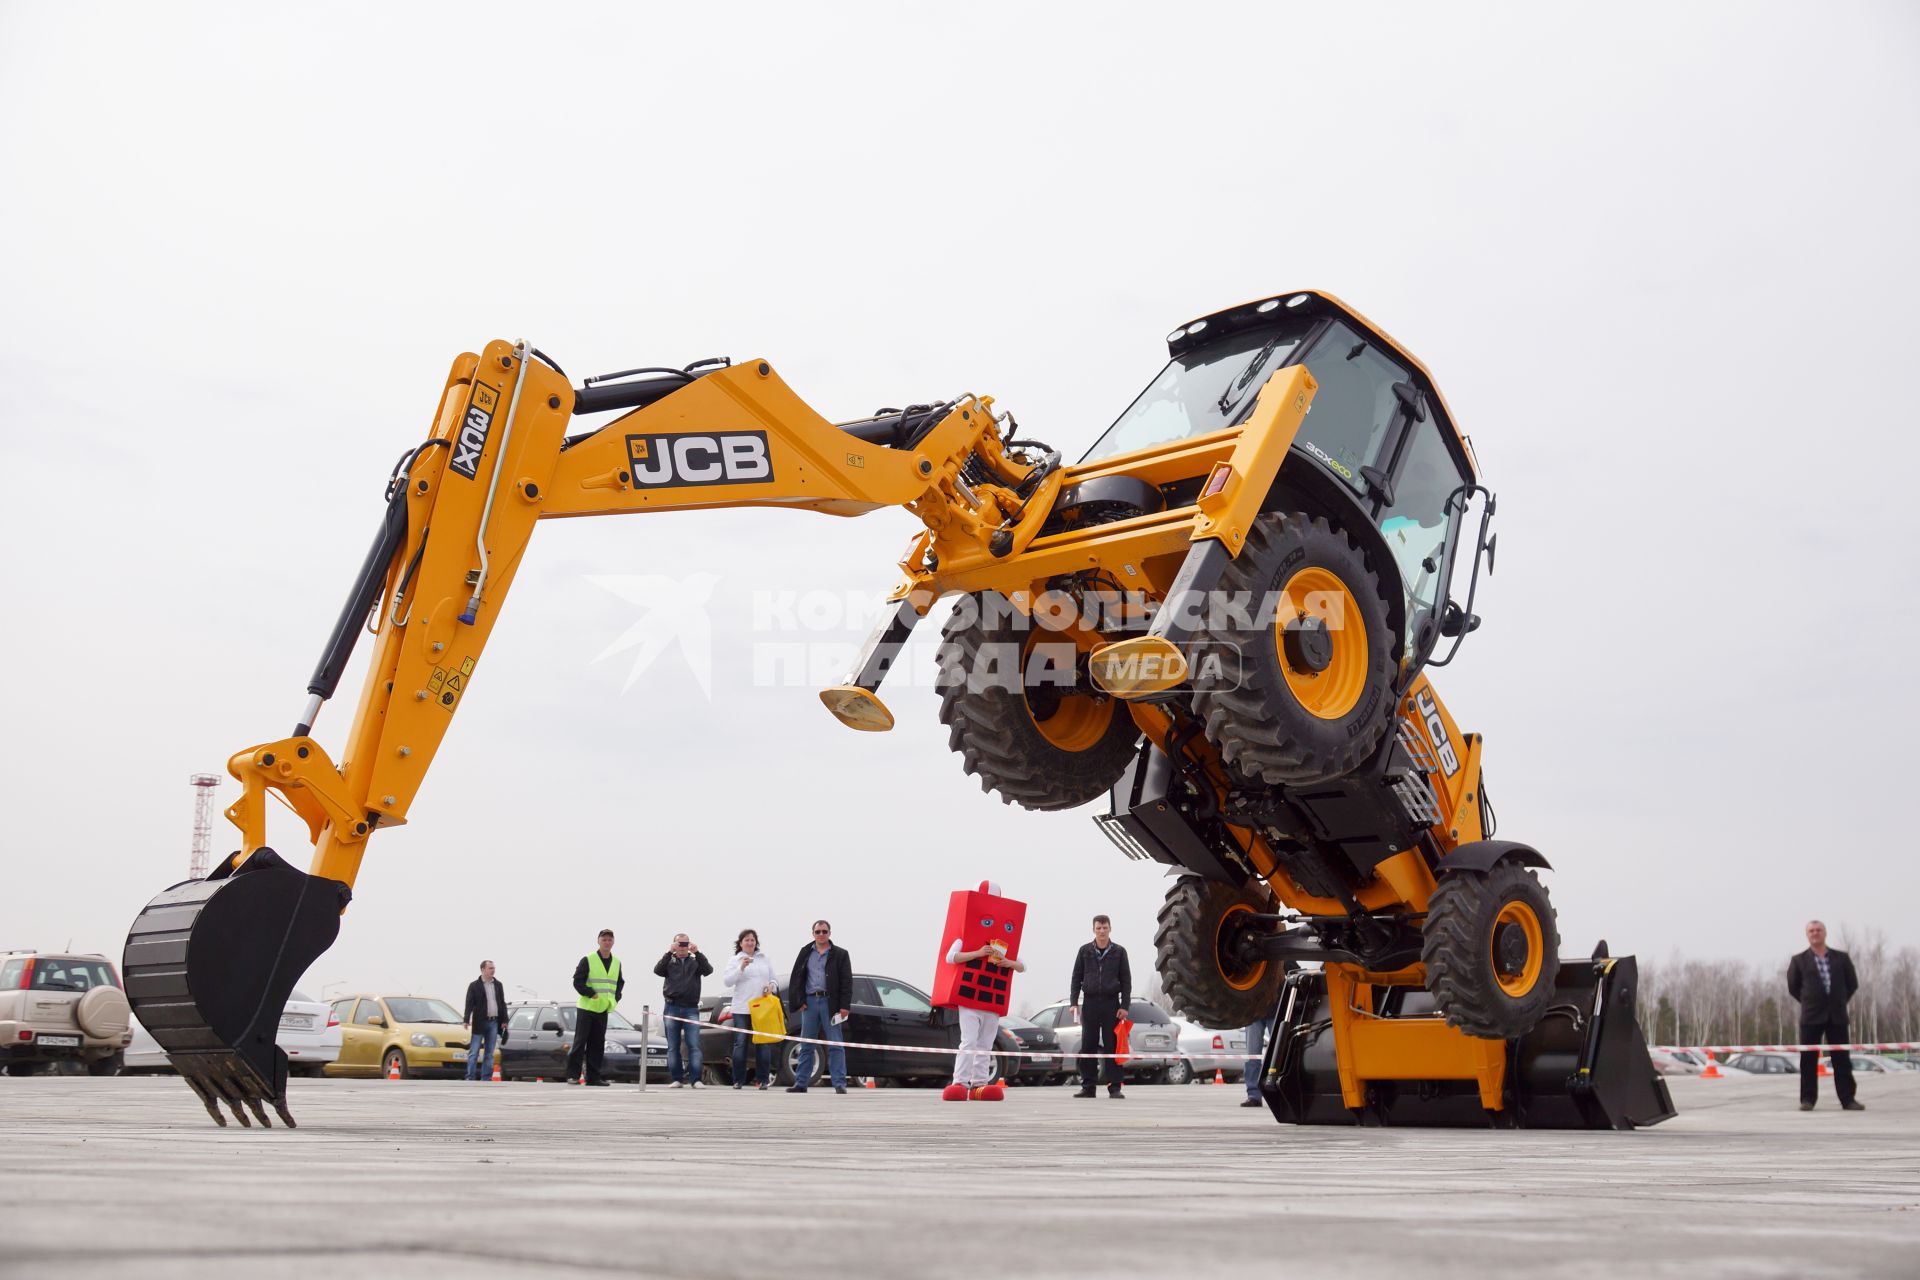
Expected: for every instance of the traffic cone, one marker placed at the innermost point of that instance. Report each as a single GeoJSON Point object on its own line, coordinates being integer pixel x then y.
{"type": "Point", "coordinates": [1713, 1070]}
{"type": "Point", "coordinates": [1217, 1077]}
{"type": "Point", "coordinates": [1824, 1069]}
{"type": "Point", "coordinates": [871, 1084]}
{"type": "Point", "coordinates": [393, 1069]}
{"type": "Point", "coordinates": [496, 1071]}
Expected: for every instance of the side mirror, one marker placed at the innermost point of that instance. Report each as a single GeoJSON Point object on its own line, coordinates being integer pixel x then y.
{"type": "Point", "coordinates": [549, 1026]}
{"type": "Point", "coordinates": [376, 1021]}
{"type": "Point", "coordinates": [1455, 622]}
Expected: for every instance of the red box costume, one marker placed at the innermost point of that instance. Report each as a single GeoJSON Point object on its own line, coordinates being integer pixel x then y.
{"type": "Point", "coordinates": [978, 919]}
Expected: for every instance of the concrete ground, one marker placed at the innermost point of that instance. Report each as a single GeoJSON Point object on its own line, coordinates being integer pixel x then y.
{"type": "Point", "coordinates": [127, 1177]}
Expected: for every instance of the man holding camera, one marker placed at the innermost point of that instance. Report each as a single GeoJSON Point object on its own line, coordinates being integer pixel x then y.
{"type": "Point", "coordinates": [683, 966]}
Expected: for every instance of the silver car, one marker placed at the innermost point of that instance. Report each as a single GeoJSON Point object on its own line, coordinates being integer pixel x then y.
{"type": "Point", "coordinates": [60, 1011]}
{"type": "Point", "coordinates": [1152, 1046]}
{"type": "Point", "coordinates": [308, 1033]}
{"type": "Point", "coordinates": [1197, 1043]}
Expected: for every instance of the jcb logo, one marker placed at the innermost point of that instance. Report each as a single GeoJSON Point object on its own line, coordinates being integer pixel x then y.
{"type": "Point", "coordinates": [472, 438]}
{"type": "Point", "coordinates": [1437, 732]}
{"type": "Point", "coordinates": [673, 462]}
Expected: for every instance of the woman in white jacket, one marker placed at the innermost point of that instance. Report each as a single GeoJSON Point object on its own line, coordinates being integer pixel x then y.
{"type": "Point", "coordinates": [750, 974]}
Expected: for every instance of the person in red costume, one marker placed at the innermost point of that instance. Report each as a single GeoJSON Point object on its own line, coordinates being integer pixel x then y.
{"type": "Point", "coordinates": [975, 974]}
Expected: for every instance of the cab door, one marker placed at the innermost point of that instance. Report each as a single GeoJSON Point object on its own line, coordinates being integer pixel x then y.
{"type": "Point", "coordinates": [360, 1040]}
{"type": "Point", "coordinates": [911, 1022]}
{"type": "Point", "coordinates": [516, 1055]}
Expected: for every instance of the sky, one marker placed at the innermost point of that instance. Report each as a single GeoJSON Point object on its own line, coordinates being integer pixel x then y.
{"type": "Point", "coordinates": [1659, 258]}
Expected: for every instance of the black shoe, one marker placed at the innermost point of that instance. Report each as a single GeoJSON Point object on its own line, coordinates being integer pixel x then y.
{"type": "Point", "coordinates": [1253, 1102]}
{"type": "Point", "coordinates": [1853, 1106]}
{"type": "Point", "coordinates": [796, 1088]}
{"type": "Point", "coordinates": [839, 1088]}
{"type": "Point", "coordinates": [1806, 1106]}
{"type": "Point", "coordinates": [1085, 1093]}
{"type": "Point", "coordinates": [597, 1084]}
{"type": "Point", "coordinates": [1115, 1093]}
{"type": "Point", "coordinates": [738, 1085]}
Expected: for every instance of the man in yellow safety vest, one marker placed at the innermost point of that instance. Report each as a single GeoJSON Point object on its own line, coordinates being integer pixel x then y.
{"type": "Point", "coordinates": [597, 979]}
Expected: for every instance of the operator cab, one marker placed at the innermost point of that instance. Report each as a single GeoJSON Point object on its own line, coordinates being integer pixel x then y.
{"type": "Point", "coordinates": [1377, 426]}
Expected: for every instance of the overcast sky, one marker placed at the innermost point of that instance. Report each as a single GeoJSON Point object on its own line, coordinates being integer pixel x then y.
{"type": "Point", "coordinates": [1661, 260]}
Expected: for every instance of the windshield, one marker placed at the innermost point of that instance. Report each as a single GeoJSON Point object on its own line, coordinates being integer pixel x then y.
{"type": "Point", "coordinates": [1415, 524]}
{"type": "Point", "coordinates": [1141, 1011]}
{"type": "Point", "coordinates": [410, 1009]}
{"type": "Point", "coordinates": [615, 1022]}
{"type": "Point", "coordinates": [50, 974]}
{"type": "Point", "coordinates": [1206, 389]}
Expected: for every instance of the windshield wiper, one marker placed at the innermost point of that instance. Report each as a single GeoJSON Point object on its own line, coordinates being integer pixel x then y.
{"type": "Point", "coordinates": [1238, 387]}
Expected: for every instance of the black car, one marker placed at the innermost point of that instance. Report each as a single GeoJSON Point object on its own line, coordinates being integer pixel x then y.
{"type": "Point", "coordinates": [539, 1037]}
{"type": "Point", "coordinates": [885, 1011]}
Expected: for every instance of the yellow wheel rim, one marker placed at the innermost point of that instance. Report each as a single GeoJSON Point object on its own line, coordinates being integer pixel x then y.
{"type": "Point", "coordinates": [1068, 718]}
{"type": "Point", "coordinates": [1251, 978]}
{"type": "Point", "coordinates": [1318, 594]}
{"type": "Point", "coordinates": [1523, 916]}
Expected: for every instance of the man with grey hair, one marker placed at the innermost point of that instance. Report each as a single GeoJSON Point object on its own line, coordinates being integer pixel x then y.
{"type": "Point", "coordinates": [1822, 980]}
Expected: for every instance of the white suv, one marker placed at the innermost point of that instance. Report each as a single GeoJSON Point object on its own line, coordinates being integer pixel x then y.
{"type": "Point", "coordinates": [58, 1008]}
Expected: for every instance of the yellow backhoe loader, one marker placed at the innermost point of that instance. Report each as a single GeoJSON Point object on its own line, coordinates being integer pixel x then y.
{"type": "Point", "coordinates": [1221, 618]}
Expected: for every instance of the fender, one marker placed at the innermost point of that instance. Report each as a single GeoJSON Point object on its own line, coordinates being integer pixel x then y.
{"type": "Point", "coordinates": [1485, 855]}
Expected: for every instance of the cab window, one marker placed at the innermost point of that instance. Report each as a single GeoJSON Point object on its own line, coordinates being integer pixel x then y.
{"type": "Point", "coordinates": [10, 975]}
{"type": "Point", "coordinates": [898, 995]}
{"type": "Point", "coordinates": [522, 1019]}
{"type": "Point", "coordinates": [1045, 1018]}
{"type": "Point", "coordinates": [1415, 525]}
{"type": "Point", "coordinates": [1350, 414]}
{"type": "Point", "coordinates": [366, 1013]}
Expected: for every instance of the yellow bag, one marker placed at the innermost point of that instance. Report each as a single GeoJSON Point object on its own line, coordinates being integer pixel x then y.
{"type": "Point", "coordinates": [769, 1019]}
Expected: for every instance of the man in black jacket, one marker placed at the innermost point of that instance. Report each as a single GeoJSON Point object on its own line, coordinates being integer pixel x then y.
{"type": "Point", "coordinates": [682, 966]}
{"type": "Point", "coordinates": [1822, 980]}
{"type": "Point", "coordinates": [486, 1018]}
{"type": "Point", "coordinates": [1101, 974]}
{"type": "Point", "coordinates": [821, 991]}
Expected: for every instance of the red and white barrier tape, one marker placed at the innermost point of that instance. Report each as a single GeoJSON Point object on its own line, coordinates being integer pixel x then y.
{"type": "Point", "coordinates": [998, 1053]}
{"type": "Point", "coordinates": [1884, 1046]}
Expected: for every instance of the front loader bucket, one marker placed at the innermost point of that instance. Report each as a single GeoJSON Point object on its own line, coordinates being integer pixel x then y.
{"type": "Point", "coordinates": [1583, 1066]}
{"type": "Point", "coordinates": [209, 965]}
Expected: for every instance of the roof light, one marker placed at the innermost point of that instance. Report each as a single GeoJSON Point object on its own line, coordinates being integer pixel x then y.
{"type": "Point", "coordinates": [1297, 299]}
{"type": "Point", "coordinates": [1267, 306]}
{"type": "Point", "coordinates": [1176, 335]}
{"type": "Point", "coordinates": [1196, 327]}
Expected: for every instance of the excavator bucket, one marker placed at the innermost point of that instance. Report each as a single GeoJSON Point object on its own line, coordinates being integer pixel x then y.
{"type": "Point", "coordinates": [1583, 1066]}
{"type": "Point", "coordinates": [209, 965]}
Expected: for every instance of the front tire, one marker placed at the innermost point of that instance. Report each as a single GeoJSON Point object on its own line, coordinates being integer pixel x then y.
{"type": "Point", "coordinates": [787, 1073]}
{"type": "Point", "coordinates": [1295, 683]}
{"type": "Point", "coordinates": [1180, 1072]}
{"type": "Point", "coordinates": [1492, 950]}
{"type": "Point", "coordinates": [1200, 969]}
{"type": "Point", "coordinates": [1015, 721]}
{"type": "Point", "coordinates": [393, 1056]}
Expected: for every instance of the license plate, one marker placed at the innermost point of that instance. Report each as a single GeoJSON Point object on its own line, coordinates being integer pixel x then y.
{"type": "Point", "coordinates": [459, 1055]}
{"type": "Point", "coordinates": [296, 1022]}
{"type": "Point", "coordinates": [64, 1042]}
{"type": "Point", "coordinates": [1039, 1057]}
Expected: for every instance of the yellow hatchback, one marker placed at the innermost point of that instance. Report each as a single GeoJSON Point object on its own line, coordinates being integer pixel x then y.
{"type": "Point", "coordinates": [424, 1036]}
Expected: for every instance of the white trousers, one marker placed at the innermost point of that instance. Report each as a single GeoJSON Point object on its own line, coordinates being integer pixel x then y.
{"type": "Point", "coordinates": [974, 1065]}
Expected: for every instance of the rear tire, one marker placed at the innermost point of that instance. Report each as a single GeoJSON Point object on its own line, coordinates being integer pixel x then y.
{"type": "Point", "coordinates": [787, 1072]}
{"type": "Point", "coordinates": [1492, 949]}
{"type": "Point", "coordinates": [1180, 1072]}
{"type": "Point", "coordinates": [1300, 689]}
{"type": "Point", "coordinates": [393, 1056]}
{"type": "Point", "coordinates": [1040, 744]}
{"type": "Point", "coordinates": [25, 1068]}
{"type": "Point", "coordinates": [1203, 981]}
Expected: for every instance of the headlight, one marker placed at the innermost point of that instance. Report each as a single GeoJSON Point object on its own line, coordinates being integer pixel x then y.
{"type": "Point", "coordinates": [614, 1046]}
{"type": "Point", "coordinates": [421, 1040]}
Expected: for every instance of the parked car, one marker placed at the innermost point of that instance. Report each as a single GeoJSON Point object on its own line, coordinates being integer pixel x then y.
{"type": "Point", "coordinates": [1671, 1062]}
{"type": "Point", "coordinates": [309, 1034]}
{"type": "Point", "coordinates": [885, 1011]}
{"type": "Point", "coordinates": [1043, 1063]}
{"type": "Point", "coordinates": [1688, 1057]}
{"type": "Point", "coordinates": [1196, 1042]}
{"type": "Point", "coordinates": [60, 1010]}
{"type": "Point", "coordinates": [1153, 1048]}
{"type": "Point", "coordinates": [540, 1036]}
{"type": "Point", "coordinates": [420, 1034]}
{"type": "Point", "coordinates": [1764, 1064]}
{"type": "Point", "coordinates": [1878, 1062]}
